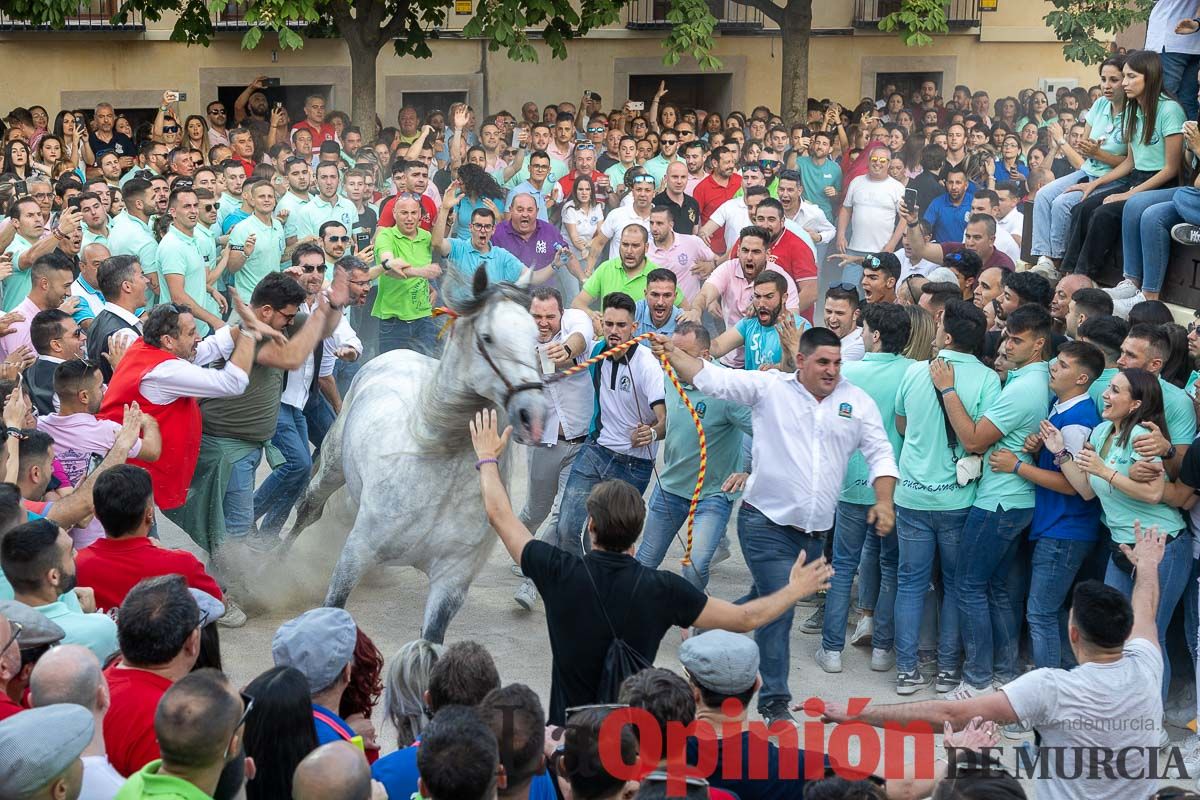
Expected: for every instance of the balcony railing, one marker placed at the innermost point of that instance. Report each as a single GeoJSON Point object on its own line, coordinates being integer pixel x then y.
{"type": "Point", "coordinates": [233, 17]}
{"type": "Point", "coordinates": [959, 14]}
{"type": "Point", "coordinates": [96, 15]}
{"type": "Point", "coordinates": [731, 16]}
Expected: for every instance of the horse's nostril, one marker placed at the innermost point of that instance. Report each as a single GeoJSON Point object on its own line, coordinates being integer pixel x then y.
{"type": "Point", "coordinates": [526, 420]}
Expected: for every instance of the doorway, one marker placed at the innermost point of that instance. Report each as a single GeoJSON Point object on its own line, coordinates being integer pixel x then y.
{"type": "Point", "coordinates": [907, 83]}
{"type": "Point", "coordinates": [425, 102]}
{"type": "Point", "coordinates": [708, 91]}
{"type": "Point", "coordinates": [292, 97]}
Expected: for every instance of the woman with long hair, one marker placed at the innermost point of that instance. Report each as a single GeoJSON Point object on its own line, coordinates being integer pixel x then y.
{"type": "Point", "coordinates": [1153, 127]}
{"type": "Point", "coordinates": [18, 159]}
{"type": "Point", "coordinates": [363, 693]}
{"type": "Point", "coordinates": [922, 330]}
{"type": "Point", "coordinates": [1006, 111]}
{"type": "Point", "coordinates": [195, 134]}
{"type": "Point", "coordinates": [582, 214]}
{"type": "Point", "coordinates": [1037, 111]}
{"type": "Point", "coordinates": [1010, 166]}
{"type": "Point", "coordinates": [668, 116]}
{"type": "Point", "coordinates": [713, 123]}
{"type": "Point", "coordinates": [404, 694]}
{"type": "Point", "coordinates": [279, 731]}
{"type": "Point", "coordinates": [49, 152]}
{"type": "Point", "coordinates": [479, 190]}
{"type": "Point", "coordinates": [1133, 399]}
{"type": "Point", "coordinates": [72, 131]}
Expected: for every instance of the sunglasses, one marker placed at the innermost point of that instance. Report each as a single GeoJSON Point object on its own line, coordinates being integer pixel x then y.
{"type": "Point", "coordinates": [880, 160]}
{"type": "Point", "coordinates": [217, 112]}
{"type": "Point", "coordinates": [768, 163]}
{"type": "Point", "coordinates": [597, 130]}
{"type": "Point", "coordinates": [170, 129]}
{"type": "Point", "coordinates": [846, 287]}
{"type": "Point", "coordinates": [668, 141]}
{"type": "Point", "coordinates": [207, 207]}
{"type": "Point", "coordinates": [338, 238]}
{"type": "Point", "coordinates": [309, 269]}
{"type": "Point", "coordinates": [643, 179]}
{"type": "Point", "coordinates": [588, 146]}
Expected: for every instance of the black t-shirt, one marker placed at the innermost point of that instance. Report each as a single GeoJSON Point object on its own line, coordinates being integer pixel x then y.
{"type": "Point", "coordinates": [782, 781]}
{"type": "Point", "coordinates": [1189, 467]}
{"type": "Point", "coordinates": [579, 635]}
{"type": "Point", "coordinates": [1061, 167]}
{"type": "Point", "coordinates": [687, 215]}
{"type": "Point", "coordinates": [928, 189]}
{"type": "Point", "coordinates": [120, 143]}
{"type": "Point", "coordinates": [368, 221]}
{"type": "Point", "coordinates": [604, 161]}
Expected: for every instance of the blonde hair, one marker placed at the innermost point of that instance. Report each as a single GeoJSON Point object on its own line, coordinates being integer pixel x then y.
{"type": "Point", "coordinates": [404, 693]}
{"type": "Point", "coordinates": [921, 333]}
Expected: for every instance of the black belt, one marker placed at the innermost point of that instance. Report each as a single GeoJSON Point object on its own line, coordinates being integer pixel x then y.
{"type": "Point", "coordinates": [576, 440]}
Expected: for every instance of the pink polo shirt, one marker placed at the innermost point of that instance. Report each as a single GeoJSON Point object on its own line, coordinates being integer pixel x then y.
{"type": "Point", "coordinates": [19, 334]}
{"type": "Point", "coordinates": [736, 293]}
{"type": "Point", "coordinates": [680, 257]}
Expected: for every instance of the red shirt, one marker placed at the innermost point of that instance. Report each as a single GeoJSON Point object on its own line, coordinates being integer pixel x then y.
{"type": "Point", "coordinates": [324, 133]}
{"type": "Point", "coordinates": [129, 724]}
{"type": "Point", "coordinates": [710, 195]}
{"type": "Point", "coordinates": [793, 256]}
{"type": "Point", "coordinates": [111, 567]}
{"type": "Point", "coordinates": [387, 216]}
{"type": "Point", "coordinates": [7, 707]}
{"type": "Point", "coordinates": [567, 182]}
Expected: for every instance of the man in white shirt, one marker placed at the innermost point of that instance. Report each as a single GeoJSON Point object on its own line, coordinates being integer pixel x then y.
{"type": "Point", "coordinates": [125, 287]}
{"type": "Point", "coordinates": [70, 673]}
{"type": "Point", "coordinates": [841, 316]}
{"type": "Point", "coordinates": [565, 338]}
{"type": "Point", "coordinates": [630, 419]}
{"type": "Point", "coordinates": [1009, 217]}
{"type": "Point", "coordinates": [868, 216]}
{"type": "Point", "coordinates": [1110, 705]}
{"type": "Point", "coordinates": [609, 232]}
{"type": "Point", "coordinates": [808, 216]}
{"type": "Point", "coordinates": [806, 428]}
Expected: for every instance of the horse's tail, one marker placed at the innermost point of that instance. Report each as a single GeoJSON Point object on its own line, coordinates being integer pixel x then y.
{"type": "Point", "coordinates": [328, 476]}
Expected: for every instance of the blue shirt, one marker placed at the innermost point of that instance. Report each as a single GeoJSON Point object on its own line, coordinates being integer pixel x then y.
{"type": "Point", "coordinates": [1063, 516]}
{"type": "Point", "coordinates": [326, 733]}
{"type": "Point", "coordinates": [949, 221]}
{"type": "Point", "coordinates": [398, 773]}
{"type": "Point", "coordinates": [84, 311]}
{"type": "Point", "coordinates": [538, 195]}
{"type": "Point", "coordinates": [645, 325]}
{"type": "Point", "coordinates": [500, 264]}
{"type": "Point", "coordinates": [466, 207]}
{"type": "Point", "coordinates": [233, 218]}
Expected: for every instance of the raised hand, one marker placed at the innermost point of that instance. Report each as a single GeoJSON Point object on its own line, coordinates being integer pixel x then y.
{"type": "Point", "coordinates": [485, 440]}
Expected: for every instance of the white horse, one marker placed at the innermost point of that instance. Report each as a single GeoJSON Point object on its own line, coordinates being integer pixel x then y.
{"type": "Point", "coordinates": [401, 449]}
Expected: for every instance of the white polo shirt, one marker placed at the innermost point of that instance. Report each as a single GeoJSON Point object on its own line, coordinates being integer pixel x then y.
{"type": "Point", "coordinates": [627, 392]}
{"type": "Point", "coordinates": [616, 221]}
{"type": "Point", "coordinates": [571, 399]}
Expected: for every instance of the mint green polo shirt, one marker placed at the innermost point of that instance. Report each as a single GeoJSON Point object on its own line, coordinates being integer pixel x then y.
{"type": "Point", "coordinates": [92, 238]}
{"type": "Point", "coordinates": [927, 465]}
{"type": "Point", "coordinates": [611, 277]}
{"type": "Point", "coordinates": [180, 254]}
{"type": "Point", "coordinates": [1016, 413]}
{"type": "Point", "coordinates": [1167, 122]}
{"type": "Point", "coordinates": [723, 422]}
{"type": "Point", "coordinates": [129, 236]}
{"type": "Point", "coordinates": [879, 375]}
{"type": "Point", "coordinates": [97, 632]}
{"type": "Point", "coordinates": [291, 204]}
{"type": "Point", "coordinates": [269, 243]}
{"type": "Point", "coordinates": [1119, 510]}
{"type": "Point", "coordinates": [558, 169]}
{"type": "Point", "coordinates": [226, 205]}
{"type": "Point", "coordinates": [18, 284]}
{"type": "Point", "coordinates": [1096, 390]}
{"type": "Point", "coordinates": [657, 167]}
{"type": "Point", "coordinates": [1180, 413]}
{"type": "Point", "coordinates": [309, 218]}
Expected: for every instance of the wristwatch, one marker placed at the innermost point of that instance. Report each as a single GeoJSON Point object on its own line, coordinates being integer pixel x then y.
{"type": "Point", "coordinates": [1171, 451]}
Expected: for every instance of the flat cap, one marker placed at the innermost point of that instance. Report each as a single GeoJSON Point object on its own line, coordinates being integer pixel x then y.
{"type": "Point", "coordinates": [39, 744]}
{"type": "Point", "coordinates": [721, 661]}
{"type": "Point", "coordinates": [319, 643]}
{"type": "Point", "coordinates": [36, 628]}
{"type": "Point", "coordinates": [942, 275]}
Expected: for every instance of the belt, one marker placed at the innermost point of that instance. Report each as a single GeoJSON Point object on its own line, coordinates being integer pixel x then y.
{"type": "Point", "coordinates": [576, 440]}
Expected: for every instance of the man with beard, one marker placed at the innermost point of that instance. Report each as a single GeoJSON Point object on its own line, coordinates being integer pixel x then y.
{"type": "Point", "coordinates": [948, 213]}
{"type": "Point", "coordinates": [566, 337]}
{"type": "Point", "coordinates": [132, 234]}
{"type": "Point", "coordinates": [627, 273]}
{"type": "Point", "coordinates": [714, 190]}
{"type": "Point", "coordinates": [789, 252]}
{"type": "Point", "coordinates": [657, 312]}
{"type": "Point", "coordinates": [979, 236]}
{"type": "Point", "coordinates": [685, 255]}
{"type": "Point", "coordinates": [299, 177]}
{"type": "Point", "coordinates": [38, 559]}
{"type": "Point", "coordinates": [56, 338]}
{"type": "Point", "coordinates": [759, 334]}
{"type": "Point", "coordinates": [251, 110]}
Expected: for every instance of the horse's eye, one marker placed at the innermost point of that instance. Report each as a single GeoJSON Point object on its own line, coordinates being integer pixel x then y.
{"type": "Point", "coordinates": [487, 337]}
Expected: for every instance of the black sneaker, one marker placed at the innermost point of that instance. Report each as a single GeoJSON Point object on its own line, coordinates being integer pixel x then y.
{"type": "Point", "coordinates": [1185, 233]}
{"type": "Point", "coordinates": [947, 681]}
{"type": "Point", "coordinates": [776, 711]}
{"type": "Point", "coordinates": [815, 621]}
{"type": "Point", "coordinates": [911, 682]}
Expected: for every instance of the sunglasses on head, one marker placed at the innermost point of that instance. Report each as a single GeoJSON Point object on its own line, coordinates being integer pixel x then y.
{"type": "Point", "coordinates": [587, 146]}
{"type": "Point", "coordinates": [643, 179]}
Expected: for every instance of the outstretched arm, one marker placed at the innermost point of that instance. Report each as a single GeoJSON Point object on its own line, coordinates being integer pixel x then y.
{"type": "Point", "coordinates": [489, 446]}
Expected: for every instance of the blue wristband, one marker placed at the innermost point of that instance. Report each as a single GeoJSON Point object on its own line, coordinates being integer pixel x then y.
{"type": "Point", "coordinates": [946, 391]}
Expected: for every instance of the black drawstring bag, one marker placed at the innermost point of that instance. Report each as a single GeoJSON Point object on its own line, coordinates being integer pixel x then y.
{"type": "Point", "coordinates": [621, 660]}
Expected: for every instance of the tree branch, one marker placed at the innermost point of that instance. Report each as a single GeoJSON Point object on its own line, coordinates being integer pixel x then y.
{"type": "Point", "coordinates": [339, 10]}
{"type": "Point", "coordinates": [769, 9]}
{"type": "Point", "coordinates": [397, 24]}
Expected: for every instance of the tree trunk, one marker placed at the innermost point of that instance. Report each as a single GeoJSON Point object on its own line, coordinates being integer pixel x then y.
{"type": "Point", "coordinates": [797, 29]}
{"type": "Point", "coordinates": [363, 58]}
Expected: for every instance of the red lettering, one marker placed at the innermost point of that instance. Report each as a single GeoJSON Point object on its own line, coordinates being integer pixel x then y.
{"type": "Point", "coordinates": [678, 770]}
{"type": "Point", "coordinates": [868, 750]}
{"type": "Point", "coordinates": [894, 734]}
{"type": "Point", "coordinates": [649, 737]}
{"type": "Point", "coordinates": [731, 736]}
{"type": "Point", "coordinates": [814, 741]}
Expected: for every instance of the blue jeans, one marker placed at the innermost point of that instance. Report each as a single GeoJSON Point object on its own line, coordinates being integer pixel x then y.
{"type": "Point", "coordinates": [770, 551]}
{"type": "Point", "coordinates": [1055, 564]}
{"type": "Point", "coordinates": [1052, 214]}
{"type": "Point", "coordinates": [344, 372]}
{"type": "Point", "coordinates": [1146, 236]}
{"type": "Point", "coordinates": [1173, 573]}
{"type": "Point", "coordinates": [1191, 611]}
{"type": "Point", "coordinates": [984, 601]}
{"type": "Point", "coordinates": [850, 534]}
{"type": "Point", "coordinates": [1187, 204]}
{"type": "Point", "coordinates": [1179, 78]}
{"type": "Point", "coordinates": [239, 496]}
{"type": "Point", "coordinates": [593, 465]}
{"type": "Point", "coordinates": [418, 334]}
{"type": "Point", "coordinates": [319, 416]}
{"type": "Point", "coordinates": [279, 492]}
{"type": "Point", "coordinates": [921, 535]}
{"type": "Point", "coordinates": [665, 516]}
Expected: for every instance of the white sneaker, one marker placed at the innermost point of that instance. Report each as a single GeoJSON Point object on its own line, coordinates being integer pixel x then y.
{"type": "Point", "coordinates": [862, 632]}
{"type": "Point", "coordinates": [965, 691]}
{"type": "Point", "coordinates": [828, 660]}
{"type": "Point", "coordinates": [1123, 290]}
{"type": "Point", "coordinates": [233, 617]}
{"type": "Point", "coordinates": [1122, 307]}
{"type": "Point", "coordinates": [882, 660]}
{"type": "Point", "coordinates": [526, 595]}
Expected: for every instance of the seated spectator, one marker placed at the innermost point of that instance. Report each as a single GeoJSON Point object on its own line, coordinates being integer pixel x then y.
{"type": "Point", "coordinates": [459, 757]}
{"type": "Point", "coordinates": [280, 733]}
{"type": "Point", "coordinates": [362, 693]}
{"type": "Point", "coordinates": [38, 559]}
{"type": "Point", "coordinates": [159, 644]}
{"type": "Point", "coordinates": [113, 565]}
{"type": "Point", "coordinates": [407, 683]}
{"type": "Point", "coordinates": [463, 676]}
{"type": "Point", "coordinates": [514, 713]}
{"type": "Point", "coordinates": [41, 752]}
{"type": "Point", "coordinates": [580, 768]}
{"type": "Point", "coordinates": [320, 644]}
{"type": "Point", "coordinates": [71, 674]}
{"type": "Point", "coordinates": [199, 729]}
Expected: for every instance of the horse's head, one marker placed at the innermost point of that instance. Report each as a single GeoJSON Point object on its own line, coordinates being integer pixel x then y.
{"type": "Point", "coordinates": [499, 340]}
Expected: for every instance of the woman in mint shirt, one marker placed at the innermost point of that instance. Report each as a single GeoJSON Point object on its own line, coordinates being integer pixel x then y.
{"type": "Point", "coordinates": [1101, 470]}
{"type": "Point", "coordinates": [1153, 127]}
{"type": "Point", "coordinates": [1037, 111]}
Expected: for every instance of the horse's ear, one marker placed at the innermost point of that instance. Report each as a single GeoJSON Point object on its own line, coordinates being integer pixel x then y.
{"type": "Point", "coordinates": [525, 279]}
{"type": "Point", "coordinates": [480, 282]}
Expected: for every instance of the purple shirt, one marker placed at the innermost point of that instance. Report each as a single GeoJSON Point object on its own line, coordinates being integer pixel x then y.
{"type": "Point", "coordinates": [535, 252]}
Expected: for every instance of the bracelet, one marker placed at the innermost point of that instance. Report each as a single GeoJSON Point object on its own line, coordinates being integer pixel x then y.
{"type": "Point", "coordinates": [653, 435]}
{"type": "Point", "coordinates": [16, 433]}
{"type": "Point", "coordinates": [1111, 477]}
{"type": "Point", "coordinates": [1016, 470]}
{"type": "Point", "coordinates": [483, 461]}
{"type": "Point", "coordinates": [1062, 457]}
{"type": "Point", "coordinates": [946, 391]}
{"type": "Point", "coordinates": [568, 350]}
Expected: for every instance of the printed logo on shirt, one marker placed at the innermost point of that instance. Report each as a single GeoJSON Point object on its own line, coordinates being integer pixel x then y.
{"type": "Point", "coordinates": [701, 408]}
{"type": "Point", "coordinates": [845, 410]}
{"type": "Point", "coordinates": [623, 384]}
{"type": "Point", "coordinates": [682, 259]}
{"type": "Point", "coordinates": [540, 247]}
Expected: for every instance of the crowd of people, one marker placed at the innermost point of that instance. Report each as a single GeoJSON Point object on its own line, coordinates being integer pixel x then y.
{"type": "Point", "coordinates": [940, 436]}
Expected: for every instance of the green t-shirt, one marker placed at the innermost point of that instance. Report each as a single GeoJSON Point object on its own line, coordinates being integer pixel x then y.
{"type": "Point", "coordinates": [816, 179]}
{"type": "Point", "coordinates": [724, 423]}
{"type": "Point", "coordinates": [928, 480]}
{"type": "Point", "coordinates": [180, 254]}
{"type": "Point", "coordinates": [403, 298]}
{"type": "Point", "coordinates": [1167, 122]}
{"type": "Point", "coordinates": [558, 169]}
{"type": "Point", "coordinates": [611, 277]}
{"type": "Point", "coordinates": [1180, 413]}
{"type": "Point", "coordinates": [129, 236]}
{"type": "Point", "coordinates": [18, 284]}
{"type": "Point", "coordinates": [1016, 413]}
{"type": "Point", "coordinates": [616, 173]}
{"type": "Point", "coordinates": [269, 244]}
{"type": "Point", "coordinates": [879, 375]}
{"type": "Point", "coordinates": [148, 783]}
{"type": "Point", "coordinates": [1106, 125]}
{"type": "Point", "coordinates": [1119, 510]}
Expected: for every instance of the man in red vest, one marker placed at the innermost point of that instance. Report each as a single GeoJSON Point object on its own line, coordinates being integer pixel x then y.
{"type": "Point", "coordinates": [163, 372]}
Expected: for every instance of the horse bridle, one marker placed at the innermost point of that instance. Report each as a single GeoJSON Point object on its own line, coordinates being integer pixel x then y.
{"type": "Point", "coordinates": [511, 390]}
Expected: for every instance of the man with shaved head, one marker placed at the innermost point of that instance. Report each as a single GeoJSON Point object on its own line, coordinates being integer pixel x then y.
{"type": "Point", "coordinates": [537, 244]}
{"type": "Point", "coordinates": [335, 771]}
{"type": "Point", "coordinates": [1060, 304]}
{"type": "Point", "coordinates": [70, 673]}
